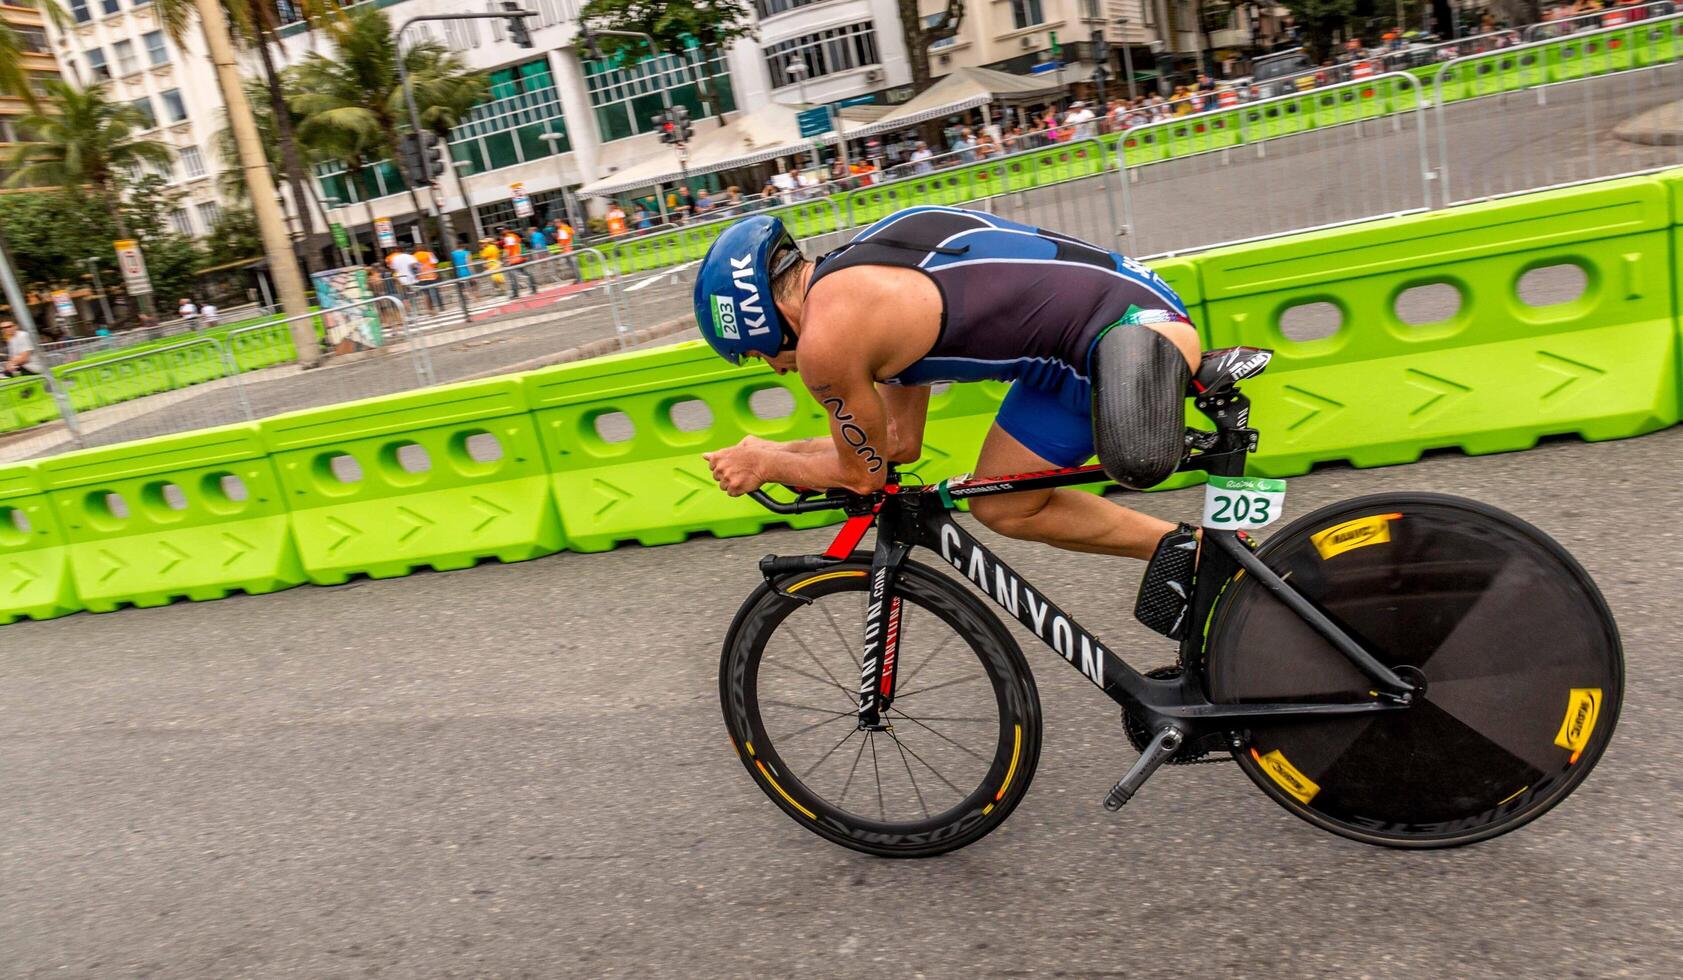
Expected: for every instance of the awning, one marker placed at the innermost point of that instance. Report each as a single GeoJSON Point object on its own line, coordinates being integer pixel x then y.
{"type": "Point", "coordinates": [767, 133]}
{"type": "Point", "coordinates": [966, 88]}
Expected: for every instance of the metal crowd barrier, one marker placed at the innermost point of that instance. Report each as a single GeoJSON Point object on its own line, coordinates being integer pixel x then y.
{"type": "Point", "coordinates": [1594, 20]}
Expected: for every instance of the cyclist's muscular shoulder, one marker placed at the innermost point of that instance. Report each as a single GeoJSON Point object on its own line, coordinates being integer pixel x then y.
{"type": "Point", "coordinates": [884, 316]}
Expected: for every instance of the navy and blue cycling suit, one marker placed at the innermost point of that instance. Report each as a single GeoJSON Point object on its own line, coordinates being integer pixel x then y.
{"type": "Point", "coordinates": [1018, 304]}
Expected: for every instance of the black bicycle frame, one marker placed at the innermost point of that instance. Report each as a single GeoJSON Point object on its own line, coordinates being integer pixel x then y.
{"type": "Point", "coordinates": [908, 517]}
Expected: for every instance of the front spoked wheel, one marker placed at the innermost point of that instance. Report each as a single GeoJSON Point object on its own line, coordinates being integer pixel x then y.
{"type": "Point", "coordinates": [1517, 653]}
{"type": "Point", "coordinates": [961, 739]}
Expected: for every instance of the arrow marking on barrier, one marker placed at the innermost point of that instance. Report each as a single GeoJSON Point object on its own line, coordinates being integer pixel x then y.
{"type": "Point", "coordinates": [1442, 390]}
{"type": "Point", "coordinates": [346, 532]}
{"type": "Point", "coordinates": [25, 577]}
{"type": "Point", "coordinates": [239, 547]}
{"type": "Point", "coordinates": [1573, 370]}
{"type": "Point", "coordinates": [1319, 408]}
{"type": "Point", "coordinates": [416, 522]}
{"type": "Point", "coordinates": [701, 484]}
{"type": "Point", "coordinates": [608, 490]}
{"type": "Point", "coordinates": [170, 549]}
{"type": "Point", "coordinates": [492, 511]}
{"type": "Point", "coordinates": [117, 565]}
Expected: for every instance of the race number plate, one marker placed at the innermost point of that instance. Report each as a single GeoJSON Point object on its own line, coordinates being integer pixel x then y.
{"type": "Point", "coordinates": [1237, 502]}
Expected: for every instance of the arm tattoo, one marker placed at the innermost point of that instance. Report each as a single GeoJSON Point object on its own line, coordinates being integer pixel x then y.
{"type": "Point", "coordinates": [853, 434]}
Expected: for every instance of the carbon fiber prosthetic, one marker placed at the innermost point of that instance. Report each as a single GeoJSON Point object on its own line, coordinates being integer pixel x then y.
{"type": "Point", "coordinates": [1139, 392]}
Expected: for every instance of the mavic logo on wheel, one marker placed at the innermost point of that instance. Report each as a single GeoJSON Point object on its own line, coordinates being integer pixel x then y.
{"type": "Point", "coordinates": [724, 318]}
{"type": "Point", "coordinates": [742, 270]}
{"type": "Point", "coordinates": [1582, 705]}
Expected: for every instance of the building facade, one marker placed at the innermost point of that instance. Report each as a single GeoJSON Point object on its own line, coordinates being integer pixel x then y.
{"type": "Point", "coordinates": [557, 120]}
{"type": "Point", "coordinates": [30, 27]}
{"type": "Point", "coordinates": [122, 45]}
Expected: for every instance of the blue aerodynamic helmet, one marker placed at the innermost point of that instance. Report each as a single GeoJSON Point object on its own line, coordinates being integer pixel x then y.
{"type": "Point", "coordinates": [733, 304]}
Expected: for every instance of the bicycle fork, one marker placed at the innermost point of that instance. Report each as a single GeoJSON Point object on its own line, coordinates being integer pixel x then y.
{"type": "Point", "coordinates": [878, 662]}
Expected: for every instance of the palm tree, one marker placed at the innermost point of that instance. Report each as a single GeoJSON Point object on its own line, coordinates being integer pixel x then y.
{"type": "Point", "coordinates": [446, 92]}
{"type": "Point", "coordinates": [325, 141]}
{"type": "Point", "coordinates": [357, 90]}
{"type": "Point", "coordinates": [80, 140]}
{"type": "Point", "coordinates": [14, 78]}
{"type": "Point", "coordinates": [256, 25]}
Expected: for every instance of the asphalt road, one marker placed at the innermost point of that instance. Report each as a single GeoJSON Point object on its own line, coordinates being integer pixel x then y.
{"type": "Point", "coordinates": [520, 771]}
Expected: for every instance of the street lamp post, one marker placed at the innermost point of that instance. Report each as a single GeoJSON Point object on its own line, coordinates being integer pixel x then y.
{"type": "Point", "coordinates": [1127, 58]}
{"type": "Point", "coordinates": [105, 307]}
{"type": "Point", "coordinates": [560, 171]}
{"type": "Point", "coordinates": [797, 67]}
{"type": "Point", "coordinates": [461, 184]}
{"type": "Point", "coordinates": [440, 216]}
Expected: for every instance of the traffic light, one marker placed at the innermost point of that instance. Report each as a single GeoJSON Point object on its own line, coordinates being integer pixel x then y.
{"type": "Point", "coordinates": [665, 126]}
{"type": "Point", "coordinates": [681, 124]}
{"type": "Point", "coordinates": [409, 157]}
{"type": "Point", "coordinates": [438, 154]}
{"type": "Point", "coordinates": [517, 31]}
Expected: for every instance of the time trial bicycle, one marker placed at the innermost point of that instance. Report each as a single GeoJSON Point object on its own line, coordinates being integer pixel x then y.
{"type": "Point", "coordinates": [1406, 669]}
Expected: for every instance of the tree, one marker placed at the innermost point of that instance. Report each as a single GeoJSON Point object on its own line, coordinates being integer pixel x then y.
{"type": "Point", "coordinates": [920, 35]}
{"type": "Point", "coordinates": [52, 231]}
{"type": "Point", "coordinates": [14, 77]}
{"type": "Point", "coordinates": [709, 25]}
{"type": "Point", "coordinates": [80, 140]}
{"type": "Point", "coordinates": [236, 234]}
{"type": "Point", "coordinates": [1319, 19]}
{"type": "Point", "coordinates": [357, 91]}
{"type": "Point", "coordinates": [446, 92]}
{"type": "Point", "coordinates": [256, 24]}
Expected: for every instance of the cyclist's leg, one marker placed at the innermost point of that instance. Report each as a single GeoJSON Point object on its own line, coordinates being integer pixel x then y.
{"type": "Point", "coordinates": [1140, 369]}
{"type": "Point", "coordinates": [1038, 430]}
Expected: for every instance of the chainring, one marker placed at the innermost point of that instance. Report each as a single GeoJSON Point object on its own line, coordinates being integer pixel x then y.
{"type": "Point", "coordinates": [1190, 753]}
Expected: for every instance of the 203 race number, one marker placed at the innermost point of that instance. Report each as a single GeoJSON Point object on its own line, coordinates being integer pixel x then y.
{"type": "Point", "coordinates": [1243, 502]}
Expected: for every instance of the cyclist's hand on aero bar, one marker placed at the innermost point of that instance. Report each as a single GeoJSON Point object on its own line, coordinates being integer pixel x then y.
{"type": "Point", "coordinates": [736, 468]}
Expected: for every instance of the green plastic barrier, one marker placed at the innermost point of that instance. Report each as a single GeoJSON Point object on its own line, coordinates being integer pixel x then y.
{"type": "Point", "coordinates": [34, 564]}
{"type": "Point", "coordinates": [650, 483]}
{"type": "Point", "coordinates": [1660, 42]}
{"type": "Point", "coordinates": [1498, 374]}
{"type": "Point", "coordinates": [24, 402]}
{"type": "Point", "coordinates": [195, 515]}
{"type": "Point", "coordinates": [442, 478]}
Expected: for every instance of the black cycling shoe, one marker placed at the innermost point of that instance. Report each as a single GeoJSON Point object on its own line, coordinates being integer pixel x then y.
{"type": "Point", "coordinates": [1166, 590]}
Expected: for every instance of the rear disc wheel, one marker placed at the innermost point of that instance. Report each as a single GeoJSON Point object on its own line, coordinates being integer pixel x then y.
{"type": "Point", "coordinates": [1517, 652]}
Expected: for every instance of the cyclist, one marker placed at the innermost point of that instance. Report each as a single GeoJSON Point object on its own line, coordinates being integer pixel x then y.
{"type": "Point", "coordinates": [1098, 348]}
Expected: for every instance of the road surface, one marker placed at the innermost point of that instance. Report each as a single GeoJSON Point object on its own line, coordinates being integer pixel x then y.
{"type": "Point", "coordinates": [520, 771]}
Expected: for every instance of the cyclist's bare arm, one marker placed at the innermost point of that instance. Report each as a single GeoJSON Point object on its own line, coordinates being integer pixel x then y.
{"type": "Point", "coordinates": [908, 410]}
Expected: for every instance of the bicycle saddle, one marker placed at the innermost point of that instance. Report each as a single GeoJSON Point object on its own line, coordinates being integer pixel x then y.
{"type": "Point", "coordinates": [1222, 369]}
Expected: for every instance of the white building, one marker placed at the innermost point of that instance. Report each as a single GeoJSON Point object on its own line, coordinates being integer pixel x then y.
{"type": "Point", "coordinates": [558, 121]}
{"type": "Point", "coordinates": [122, 44]}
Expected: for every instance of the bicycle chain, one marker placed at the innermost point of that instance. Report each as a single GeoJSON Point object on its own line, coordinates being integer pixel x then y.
{"type": "Point", "coordinates": [1191, 754]}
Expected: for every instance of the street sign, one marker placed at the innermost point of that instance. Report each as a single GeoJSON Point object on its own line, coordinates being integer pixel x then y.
{"type": "Point", "coordinates": [858, 100]}
{"type": "Point", "coordinates": [339, 237]}
{"type": "Point", "coordinates": [133, 266]}
{"type": "Point", "coordinates": [522, 203]}
{"type": "Point", "coordinates": [1045, 66]}
{"type": "Point", "coordinates": [383, 233]}
{"type": "Point", "coordinates": [63, 305]}
{"type": "Point", "coordinates": [814, 122]}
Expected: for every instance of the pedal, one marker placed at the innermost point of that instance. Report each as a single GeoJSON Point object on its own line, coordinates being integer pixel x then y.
{"type": "Point", "coordinates": [1163, 745]}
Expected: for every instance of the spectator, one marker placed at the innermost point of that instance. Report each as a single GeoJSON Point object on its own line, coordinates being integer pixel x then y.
{"type": "Point", "coordinates": [641, 218]}
{"type": "Point", "coordinates": [921, 157]}
{"type": "Point", "coordinates": [402, 266]}
{"type": "Point", "coordinates": [492, 256]}
{"type": "Point", "coordinates": [1079, 121]}
{"type": "Point", "coordinates": [207, 315]}
{"type": "Point", "coordinates": [703, 203]}
{"type": "Point", "coordinates": [616, 219]}
{"type": "Point", "coordinates": [514, 259]}
{"type": "Point", "coordinates": [965, 145]}
{"type": "Point", "coordinates": [188, 311]}
{"type": "Point", "coordinates": [986, 147]}
{"type": "Point", "coordinates": [461, 258]}
{"type": "Point", "coordinates": [426, 276]}
{"type": "Point", "coordinates": [561, 244]}
{"type": "Point", "coordinates": [1205, 83]}
{"type": "Point", "coordinates": [20, 353]}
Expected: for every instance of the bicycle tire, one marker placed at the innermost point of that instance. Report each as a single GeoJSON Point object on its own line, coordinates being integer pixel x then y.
{"type": "Point", "coordinates": [1015, 745]}
{"type": "Point", "coordinates": [1520, 656]}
